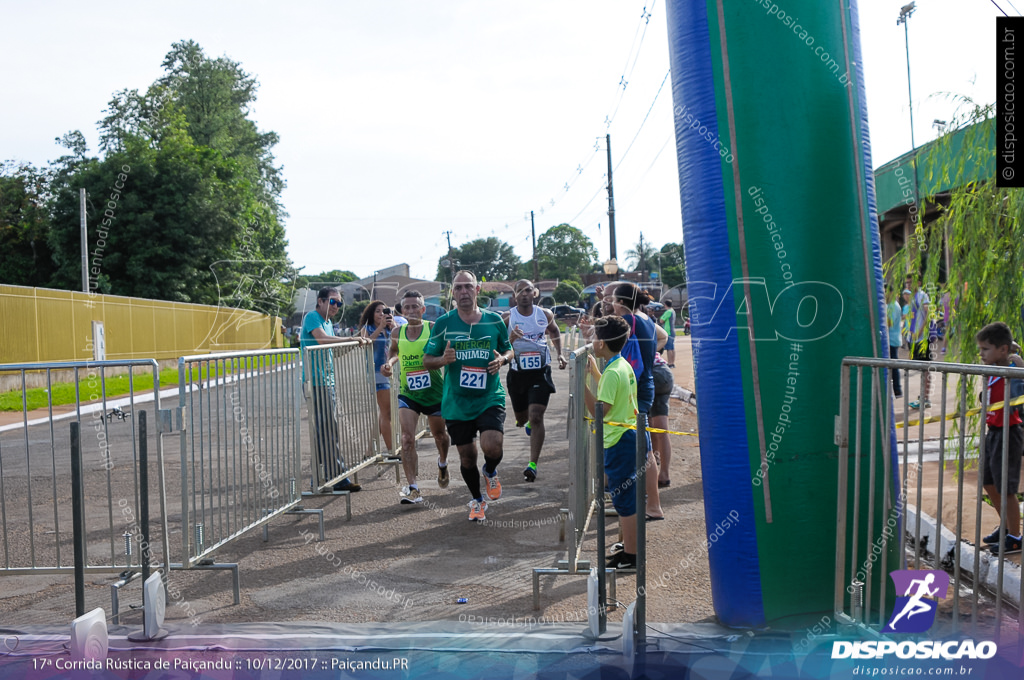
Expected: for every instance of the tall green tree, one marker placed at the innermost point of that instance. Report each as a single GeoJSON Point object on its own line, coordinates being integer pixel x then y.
{"type": "Point", "coordinates": [567, 293]}
{"type": "Point", "coordinates": [672, 260]}
{"type": "Point", "coordinates": [187, 193]}
{"type": "Point", "coordinates": [333, 276]}
{"type": "Point", "coordinates": [214, 96]}
{"type": "Point", "coordinates": [164, 222]}
{"type": "Point", "coordinates": [564, 252]}
{"type": "Point", "coordinates": [488, 258]}
{"type": "Point", "coordinates": [24, 226]}
{"type": "Point", "coordinates": [983, 229]}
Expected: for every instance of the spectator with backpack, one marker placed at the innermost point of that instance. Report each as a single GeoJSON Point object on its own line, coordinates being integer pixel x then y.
{"type": "Point", "coordinates": [646, 337]}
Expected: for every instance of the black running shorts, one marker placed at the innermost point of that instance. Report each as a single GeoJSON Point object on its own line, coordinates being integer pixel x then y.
{"type": "Point", "coordinates": [464, 431]}
{"type": "Point", "coordinates": [529, 387]}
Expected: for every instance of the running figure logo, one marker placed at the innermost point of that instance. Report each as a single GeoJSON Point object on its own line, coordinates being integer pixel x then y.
{"type": "Point", "coordinates": [913, 613]}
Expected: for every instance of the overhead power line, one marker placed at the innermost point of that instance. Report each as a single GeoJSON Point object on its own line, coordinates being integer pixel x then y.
{"type": "Point", "coordinates": [627, 70]}
{"type": "Point", "coordinates": [660, 87]}
{"type": "Point", "coordinates": [1000, 8]}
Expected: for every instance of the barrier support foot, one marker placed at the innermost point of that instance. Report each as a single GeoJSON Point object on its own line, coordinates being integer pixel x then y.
{"type": "Point", "coordinates": [299, 510]}
{"type": "Point", "coordinates": [346, 494]}
{"type": "Point", "coordinates": [582, 569]}
{"type": "Point", "coordinates": [115, 603]}
{"type": "Point", "coordinates": [210, 564]}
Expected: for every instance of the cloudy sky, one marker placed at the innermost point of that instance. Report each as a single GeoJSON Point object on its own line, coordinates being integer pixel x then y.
{"type": "Point", "coordinates": [402, 119]}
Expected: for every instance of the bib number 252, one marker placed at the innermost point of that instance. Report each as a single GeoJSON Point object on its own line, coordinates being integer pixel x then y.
{"type": "Point", "coordinates": [418, 380]}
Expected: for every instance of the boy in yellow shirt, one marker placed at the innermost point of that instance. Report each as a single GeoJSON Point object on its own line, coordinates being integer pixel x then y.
{"type": "Point", "coordinates": [616, 390]}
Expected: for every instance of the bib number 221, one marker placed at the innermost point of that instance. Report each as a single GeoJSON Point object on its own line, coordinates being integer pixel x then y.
{"type": "Point", "coordinates": [473, 378]}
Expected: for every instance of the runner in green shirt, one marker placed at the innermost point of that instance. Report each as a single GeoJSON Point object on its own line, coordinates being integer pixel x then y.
{"type": "Point", "coordinates": [420, 394]}
{"type": "Point", "coordinates": [472, 344]}
{"type": "Point", "coordinates": [668, 322]}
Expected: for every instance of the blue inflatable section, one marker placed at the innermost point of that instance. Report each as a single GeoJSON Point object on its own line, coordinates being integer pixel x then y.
{"type": "Point", "coordinates": [735, 574]}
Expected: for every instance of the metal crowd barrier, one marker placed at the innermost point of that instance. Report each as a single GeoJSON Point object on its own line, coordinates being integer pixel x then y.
{"type": "Point", "coordinates": [586, 478]}
{"type": "Point", "coordinates": [340, 391]}
{"type": "Point", "coordinates": [240, 448]}
{"type": "Point", "coordinates": [572, 339]}
{"type": "Point", "coordinates": [36, 519]}
{"type": "Point", "coordinates": [929, 535]}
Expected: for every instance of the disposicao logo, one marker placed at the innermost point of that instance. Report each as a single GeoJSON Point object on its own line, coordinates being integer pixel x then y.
{"type": "Point", "coordinates": [915, 613]}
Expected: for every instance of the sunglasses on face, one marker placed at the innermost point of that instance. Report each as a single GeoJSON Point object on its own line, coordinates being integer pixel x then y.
{"type": "Point", "coordinates": [335, 303]}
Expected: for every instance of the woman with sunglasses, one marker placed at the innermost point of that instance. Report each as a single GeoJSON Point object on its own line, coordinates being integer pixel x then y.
{"type": "Point", "coordinates": [317, 329]}
{"type": "Point", "coordinates": [376, 324]}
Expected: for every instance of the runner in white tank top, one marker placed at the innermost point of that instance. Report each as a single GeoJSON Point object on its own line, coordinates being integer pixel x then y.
{"type": "Point", "coordinates": [529, 377]}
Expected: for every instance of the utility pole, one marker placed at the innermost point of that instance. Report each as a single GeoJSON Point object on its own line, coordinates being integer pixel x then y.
{"type": "Point", "coordinates": [643, 259]}
{"type": "Point", "coordinates": [85, 242]}
{"type": "Point", "coordinates": [533, 235]}
{"type": "Point", "coordinates": [451, 260]}
{"type": "Point", "coordinates": [611, 199]}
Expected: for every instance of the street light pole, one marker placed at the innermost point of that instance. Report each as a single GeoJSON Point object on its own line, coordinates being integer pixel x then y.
{"type": "Point", "coordinates": [611, 200]}
{"type": "Point", "coordinates": [905, 13]}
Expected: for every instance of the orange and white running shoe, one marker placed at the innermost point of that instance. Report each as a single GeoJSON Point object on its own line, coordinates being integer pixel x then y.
{"type": "Point", "coordinates": [493, 485]}
{"type": "Point", "coordinates": [477, 510]}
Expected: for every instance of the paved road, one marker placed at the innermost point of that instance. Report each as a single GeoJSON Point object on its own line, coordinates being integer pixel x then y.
{"type": "Point", "coordinates": [411, 563]}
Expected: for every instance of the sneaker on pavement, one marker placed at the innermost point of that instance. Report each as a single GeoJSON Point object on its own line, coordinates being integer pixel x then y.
{"type": "Point", "coordinates": [992, 538]}
{"type": "Point", "coordinates": [442, 476]}
{"type": "Point", "coordinates": [477, 510]}
{"type": "Point", "coordinates": [914, 405]}
{"type": "Point", "coordinates": [410, 496]}
{"type": "Point", "coordinates": [493, 485]}
{"type": "Point", "coordinates": [621, 561]}
{"type": "Point", "coordinates": [529, 474]}
{"type": "Point", "coordinates": [1011, 546]}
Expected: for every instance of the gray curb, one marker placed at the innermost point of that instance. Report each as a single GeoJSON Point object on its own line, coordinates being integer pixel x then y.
{"type": "Point", "coordinates": [988, 566]}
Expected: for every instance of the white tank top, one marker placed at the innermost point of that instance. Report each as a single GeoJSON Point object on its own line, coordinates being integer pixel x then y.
{"type": "Point", "coordinates": [531, 351]}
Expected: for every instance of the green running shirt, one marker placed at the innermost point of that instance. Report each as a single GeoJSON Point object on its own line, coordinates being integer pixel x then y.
{"type": "Point", "coordinates": [469, 389]}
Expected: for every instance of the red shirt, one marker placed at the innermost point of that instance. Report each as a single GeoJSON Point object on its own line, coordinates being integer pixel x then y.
{"type": "Point", "coordinates": [996, 387]}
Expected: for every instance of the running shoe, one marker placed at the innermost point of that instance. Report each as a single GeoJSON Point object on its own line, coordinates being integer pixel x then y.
{"type": "Point", "coordinates": [529, 474]}
{"type": "Point", "coordinates": [493, 485]}
{"type": "Point", "coordinates": [442, 477]}
{"type": "Point", "coordinates": [529, 430]}
{"type": "Point", "coordinates": [914, 405]}
{"type": "Point", "coordinates": [347, 485]}
{"type": "Point", "coordinates": [1011, 546]}
{"type": "Point", "coordinates": [621, 561]}
{"type": "Point", "coordinates": [992, 538]}
{"type": "Point", "coordinates": [410, 496]}
{"type": "Point", "coordinates": [477, 510]}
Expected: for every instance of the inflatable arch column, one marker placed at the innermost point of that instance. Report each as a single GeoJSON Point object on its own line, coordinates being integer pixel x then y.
{"type": "Point", "coordinates": [784, 271]}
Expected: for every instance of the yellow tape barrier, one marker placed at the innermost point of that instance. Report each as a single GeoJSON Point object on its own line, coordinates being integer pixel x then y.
{"type": "Point", "coordinates": [952, 416]}
{"type": "Point", "coordinates": [655, 430]}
